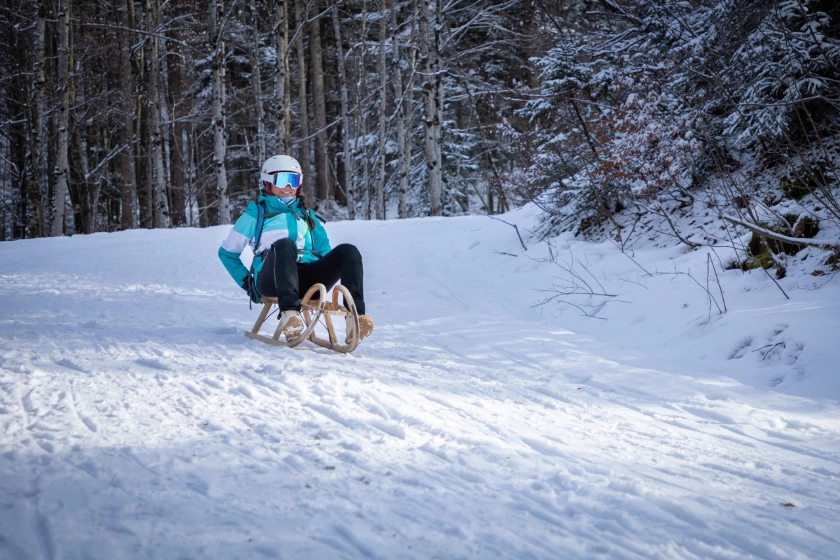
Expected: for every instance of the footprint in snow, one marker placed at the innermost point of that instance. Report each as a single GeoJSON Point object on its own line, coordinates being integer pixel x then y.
{"type": "Point", "coordinates": [70, 365]}
{"type": "Point", "coordinates": [89, 424]}
{"type": "Point", "coordinates": [741, 348]}
{"type": "Point", "coordinates": [154, 364]}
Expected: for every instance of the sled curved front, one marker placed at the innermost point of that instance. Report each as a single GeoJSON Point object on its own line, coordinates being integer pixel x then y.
{"type": "Point", "coordinates": [313, 306]}
{"type": "Point", "coordinates": [330, 310]}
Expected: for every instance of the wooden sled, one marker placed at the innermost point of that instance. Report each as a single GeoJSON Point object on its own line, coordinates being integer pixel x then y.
{"type": "Point", "coordinates": [314, 308]}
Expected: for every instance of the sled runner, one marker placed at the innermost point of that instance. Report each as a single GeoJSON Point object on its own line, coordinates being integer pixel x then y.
{"type": "Point", "coordinates": [315, 309]}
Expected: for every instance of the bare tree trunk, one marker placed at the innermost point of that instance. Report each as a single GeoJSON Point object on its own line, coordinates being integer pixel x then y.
{"type": "Point", "coordinates": [402, 208]}
{"type": "Point", "coordinates": [13, 151]}
{"type": "Point", "coordinates": [160, 212]}
{"type": "Point", "coordinates": [79, 186]}
{"type": "Point", "coordinates": [361, 115]}
{"type": "Point", "coordinates": [256, 80]}
{"type": "Point", "coordinates": [438, 81]}
{"type": "Point", "coordinates": [83, 195]}
{"type": "Point", "coordinates": [128, 185]}
{"type": "Point", "coordinates": [366, 171]}
{"type": "Point", "coordinates": [35, 226]}
{"type": "Point", "coordinates": [165, 125]}
{"type": "Point", "coordinates": [142, 164]}
{"type": "Point", "coordinates": [403, 113]}
{"type": "Point", "coordinates": [177, 152]}
{"type": "Point", "coordinates": [93, 185]}
{"type": "Point", "coordinates": [319, 111]}
{"type": "Point", "coordinates": [305, 152]}
{"type": "Point", "coordinates": [408, 107]}
{"type": "Point", "coordinates": [347, 150]}
{"type": "Point", "coordinates": [383, 107]}
{"type": "Point", "coordinates": [52, 152]}
{"type": "Point", "coordinates": [62, 171]}
{"type": "Point", "coordinates": [206, 217]}
{"type": "Point", "coordinates": [431, 120]}
{"type": "Point", "coordinates": [282, 99]}
{"type": "Point", "coordinates": [219, 146]}
{"type": "Point", "coordinates": [188, 146]}
{"type": "Point", "coordinates": [77, 161]}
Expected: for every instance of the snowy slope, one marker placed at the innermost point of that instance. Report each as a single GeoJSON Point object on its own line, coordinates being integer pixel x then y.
{"type": "Point", "coordinates": [136, 420]}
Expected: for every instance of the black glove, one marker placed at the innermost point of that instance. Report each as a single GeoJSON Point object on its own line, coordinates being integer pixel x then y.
{"type": "Point", "coordinates": [249, 287]}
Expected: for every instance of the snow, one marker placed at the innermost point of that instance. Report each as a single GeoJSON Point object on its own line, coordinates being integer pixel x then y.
{"type": "Point", "coordinates": [136, 420]}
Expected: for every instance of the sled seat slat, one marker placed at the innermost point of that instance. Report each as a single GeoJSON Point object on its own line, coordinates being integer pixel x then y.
{"type": "Point", "coordinates": [331, 307]}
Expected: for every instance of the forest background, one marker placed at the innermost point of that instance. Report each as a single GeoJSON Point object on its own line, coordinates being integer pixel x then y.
{"type": "Point", "coordinates": [614, 116]}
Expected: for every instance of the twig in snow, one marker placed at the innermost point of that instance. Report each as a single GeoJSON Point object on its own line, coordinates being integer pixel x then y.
{"type": "Point", "coordinates": [782, 343]}
{"type": "Point", "coordinates": [514, 226]}
{"type": "Point", "coordinates": [709, 255]}
{"type": "Point", "coordinates": [627, 280]}
{"type": "Point", "coordinates": [664, 213]}
{"type": "Point", "coordinates": [774, 281]}
{"type": "Point", "coordinates": [710, 296]}
{"type": "Point", "coordinates": [576, 284]}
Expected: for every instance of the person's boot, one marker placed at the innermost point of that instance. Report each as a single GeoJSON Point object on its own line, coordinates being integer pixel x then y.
{"type": "Point", "coordinates": [291, 324]}
{"type": "Point", "coordinates": [365, 328]}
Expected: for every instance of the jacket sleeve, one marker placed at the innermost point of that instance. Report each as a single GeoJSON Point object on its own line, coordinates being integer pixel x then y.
{"type": "Point", "coordinates": [235, 243]}
{"type": "Point", "coordinates": [320, 241]}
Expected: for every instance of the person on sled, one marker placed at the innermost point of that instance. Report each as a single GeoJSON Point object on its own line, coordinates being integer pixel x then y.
{"type": "Point", "coordinates": [293, 252]}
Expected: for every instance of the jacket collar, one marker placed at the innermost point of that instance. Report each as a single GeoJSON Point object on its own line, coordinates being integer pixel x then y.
{"type": "Point", "coordinates": [275, 205]}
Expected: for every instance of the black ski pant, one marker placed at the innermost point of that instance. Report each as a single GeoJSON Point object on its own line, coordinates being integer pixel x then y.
{"type": "Point", "coordinates": [288, 280]}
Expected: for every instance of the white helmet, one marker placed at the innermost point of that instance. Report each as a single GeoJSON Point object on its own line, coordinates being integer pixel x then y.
{"type": "Point", "coordinates": [275, 164]}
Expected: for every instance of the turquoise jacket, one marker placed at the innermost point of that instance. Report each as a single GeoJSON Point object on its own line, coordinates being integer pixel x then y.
{"type": "Point", "coordinates": [281, 221]}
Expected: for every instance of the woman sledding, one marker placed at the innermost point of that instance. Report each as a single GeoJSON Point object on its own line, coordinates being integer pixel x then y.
{"type": "Point", "coordinates": [293, 251]}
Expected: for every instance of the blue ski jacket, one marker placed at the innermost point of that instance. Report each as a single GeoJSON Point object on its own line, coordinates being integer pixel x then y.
{"type": "Point", "coordinates": [280, 221]}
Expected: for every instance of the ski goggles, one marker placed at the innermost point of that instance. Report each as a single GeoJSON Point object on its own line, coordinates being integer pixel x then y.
{"type": "Point", "coordinates": [282, 179]}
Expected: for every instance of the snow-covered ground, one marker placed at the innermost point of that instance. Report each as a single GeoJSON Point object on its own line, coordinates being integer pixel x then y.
{"type": "Point", "coordinates": [136, 420]}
